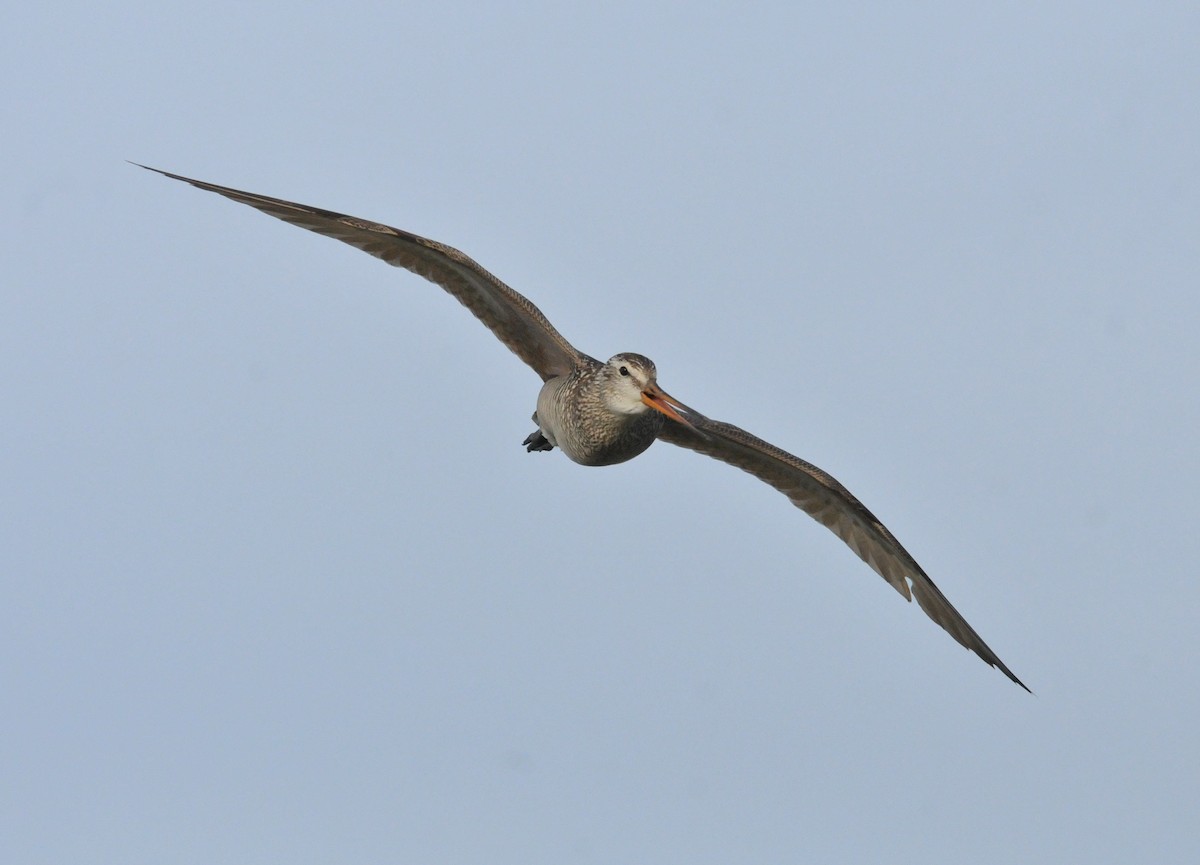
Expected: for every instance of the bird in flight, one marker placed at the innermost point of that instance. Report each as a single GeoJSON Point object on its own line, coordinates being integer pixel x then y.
{"type": "Point", "coordinates": [602, 413]}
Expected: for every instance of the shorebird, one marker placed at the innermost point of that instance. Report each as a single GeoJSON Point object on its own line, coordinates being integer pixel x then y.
{"type": "Point", "coordinates": [599, 414]}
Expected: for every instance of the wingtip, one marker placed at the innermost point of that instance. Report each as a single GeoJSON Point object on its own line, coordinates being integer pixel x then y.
{"type": "Point", "coordinates": [155, 170]}
{"type": "Point", "coordinates": [1006, 671]}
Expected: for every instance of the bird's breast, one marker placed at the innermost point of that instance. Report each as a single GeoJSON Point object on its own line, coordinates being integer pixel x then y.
{"type": "Point", "coordinates": [575, 419]}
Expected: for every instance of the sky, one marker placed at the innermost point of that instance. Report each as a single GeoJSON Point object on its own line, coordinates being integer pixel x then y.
{"type": "Point", "coordinates": [278, 582]}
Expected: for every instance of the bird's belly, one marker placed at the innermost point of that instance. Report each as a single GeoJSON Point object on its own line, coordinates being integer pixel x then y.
{"type": "Point", "coordinates": [593, 439]}
{"type": "Point", "coordinates": [591, 453]}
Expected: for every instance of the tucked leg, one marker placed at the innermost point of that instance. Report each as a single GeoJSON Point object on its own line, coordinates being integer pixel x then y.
{"type": "Point", "coordinates": [536, 441]}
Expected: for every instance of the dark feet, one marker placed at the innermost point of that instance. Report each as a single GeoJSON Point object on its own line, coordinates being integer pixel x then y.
{"type": "Point", "coordinates": [537, 442]}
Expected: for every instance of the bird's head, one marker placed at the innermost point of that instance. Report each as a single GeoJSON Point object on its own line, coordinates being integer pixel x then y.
{"type": "Point", "coordinates": [632, 388]}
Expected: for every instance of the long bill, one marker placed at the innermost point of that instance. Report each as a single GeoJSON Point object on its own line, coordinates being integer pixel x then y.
{"type": "Point", "coordinates": [661, 401]}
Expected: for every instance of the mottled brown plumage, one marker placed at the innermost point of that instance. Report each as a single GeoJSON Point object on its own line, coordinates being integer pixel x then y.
{"type": "Point", "coordinates": [576, 413]}
{"type": "Point", "coordinates": [605, 413]}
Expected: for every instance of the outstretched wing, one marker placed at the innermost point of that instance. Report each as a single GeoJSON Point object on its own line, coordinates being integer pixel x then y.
{"type": "Point", "coordinates": [516, 322]}
{"type": "Point", "coordinates": [820, 496]}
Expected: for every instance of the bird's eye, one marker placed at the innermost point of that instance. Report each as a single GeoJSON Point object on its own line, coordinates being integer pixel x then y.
{"type": "Point", "coordinates": [624, 370]}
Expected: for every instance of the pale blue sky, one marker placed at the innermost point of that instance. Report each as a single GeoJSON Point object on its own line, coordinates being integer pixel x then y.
{"type": "Point", "coordinates": [279, 583]}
